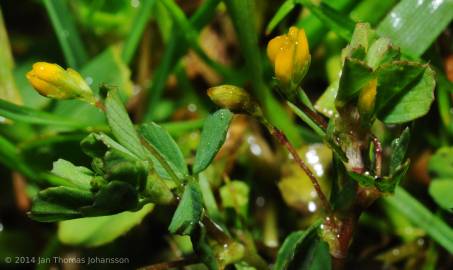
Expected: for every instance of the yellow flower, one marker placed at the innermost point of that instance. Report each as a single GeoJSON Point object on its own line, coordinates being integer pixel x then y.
{"type": "Point", "coordinates": [290, 57]}
{"type": "Point", "coordinates": [233, 98]}
{"type": "Point", "coordinates": [367, 97]}
{"type": "Point", "coordinates": [53, 81]}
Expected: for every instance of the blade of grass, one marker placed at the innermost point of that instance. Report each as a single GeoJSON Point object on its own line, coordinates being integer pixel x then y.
{"type": "Point", "coordinates": [372, 11]}
{"type": "Point", "coordinates": [414, 25]}
{"type": "Point", "coordinates": [242, 13]}
{"type": "Point", "coordinates": [191, 37]}
{"type": "Point", "coordinates": [175, 49]}
{"type": "Point", "coordinates": [67, 34]}
{"type": "Point", "coordinates": [138, 26]}
{"type": "Point", "coordinates": [338, 22]}
{"type": "Point", "coordinates": [32, 116]}
{"type": "Point", "coordinates": [281, 13]}
{"type": "Point", "coordinates": [314, 28]}
{"type": "Point", "coordinates": [420, 216]}
{"type": "Point", "coordinates": [8, 89]}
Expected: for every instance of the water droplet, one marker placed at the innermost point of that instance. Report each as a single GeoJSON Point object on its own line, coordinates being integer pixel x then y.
{"type": "Point", "coordinates": [89, 80]}
{"type": "Point", "coordinates": [395, 19]}
{"type": "Point", "coordinates": [192, 107]}
{"type": "Point", "coordinates": [260, 201]}
{"type": "Point", "coordinates": [435, 4]}
{"type": "Point", "coordinates": [312, 207]}
{"type": "Point", "coordinates": [1, 227]}
{"type": "Point", "coordinates": [135, 3]}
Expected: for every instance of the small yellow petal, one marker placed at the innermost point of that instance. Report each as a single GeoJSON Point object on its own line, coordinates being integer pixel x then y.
{"type": "Point", "coordinates": [275, 46]}
{"type": "Point", "coordinates": [302, 53]}
{"type": "Point", "coordinates": [284, 65]}
{"type": "Point", "coordinates": [368, 96]}
{"type": "Point", "coordinates": [48, 71]}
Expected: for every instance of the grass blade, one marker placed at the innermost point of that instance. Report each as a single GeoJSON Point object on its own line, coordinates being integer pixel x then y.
{"type": "Point", "coordinates": [340, 23]}
{"type": "Point", "coordinates": [414, 25]}
{"type": "Point", "coordinates": [8, 89]}
{"type": "Point", "coordinates": [67, 34]}
{"type": "Point", "coordinates": [420, 216]}
{"type": "Point", "coordinates": [32, 116]}
{"type": "Point", "coordinates": [138, 26]}
{"type": "Point", "coordinates": [176, 48]}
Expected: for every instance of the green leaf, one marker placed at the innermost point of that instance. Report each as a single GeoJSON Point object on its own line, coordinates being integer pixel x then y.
{"type": "Point", "coordinates": [121, 124]}
{"type": "Point", "coordinates": [339, 23]}
{"type": "Point", "coordinates": [235, 194]}
{"type": "Point", "coordinates": [213, 136]}
{"type": "Point", "coordinates": [65, 27]}
{"type": "Point", "coordinates": [79, 176]}
{"type": "Point", "coordinates": [43, 211]}
{"type": "Point", "coordinates": [317, 257]}
{"type": "Point", "coordinates": [393, 79]}
{"type": "Point", "coordinates": [189, 211]}
{"type": "Point", "coordinates": [414, 25]}
{"type": "Point", "coordinates": [399, 148]}
{"type": "Point", "coordinates": [381, 52]}
{"type": "Point", "coordinates": [8, 89]}
{"type": "Point", "coordinates": [97, 231]}
{"type": "Point", "coordinates": [66, 196]}
{"type": "Point", "coordinates": [354, 76]}
{"type": "Point", "coordinates": [59, 203]}
{"type": "Point", "coordinates": [411, 102]}
{"type": "Point", "coordinates": [292, 244]}
{"type": "Point", "coordinates": [388, 184]}
{"type": "Point", "coordinates": [440, 191]}
{"type": "Point", "coordinates": [420, 216]}
{"type": "Point", "coordinates": [137, 28]}
{"type": "Point", "coordinates": [31, 116]}
{"type": "Point", "coordinates": [117, 166]}
{"type": "Point", "coordinates": [96, 145]}
{"type": "Point", "coordinates": [112, 198]}
{"type": "Point", "coordinates": [363, 179]}
{"type": "Point", "coordinates": [326, 103]}
{"type": "Point", "coordinates": [362, 38]}
{"type": "Point", "coordinates": [281, 13]}
{"type": "Point", "coordinates": [441, 163]}
{"type": "Point", "coordinates": [167, 147]}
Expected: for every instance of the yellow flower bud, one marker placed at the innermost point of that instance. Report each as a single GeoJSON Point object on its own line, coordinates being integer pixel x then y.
{"type": "Point", "coordinates": [290, 57]}
{"type": "Point", "coordinates": [233, 98]}
{"type": "Point", "coordinates": [53, 81]}
{"type": "Point", "coordinates": [367, 97]}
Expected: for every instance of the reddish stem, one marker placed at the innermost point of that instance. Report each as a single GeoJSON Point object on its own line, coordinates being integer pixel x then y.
{"type": "Point", "coordinates": [378, 154]}
{"type": "Point", "coordinates": [281, 137]}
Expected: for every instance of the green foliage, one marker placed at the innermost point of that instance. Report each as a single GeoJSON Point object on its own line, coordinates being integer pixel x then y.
{"type": "Point", "coordinates": [79, 176]}
{"type": "Point", "coordinates": [130, 168]}
{"type": "Point", "coordinates": [414, 25]}
{"type": "Point", "coordinates": [120, 123]}
{"type": "Point", "coordinates": [189, 211]}
{"type": "Point", "coordinates": [96, 231]}
{"type": "Point", "coordinates": [159, 138]}
{"type": "Point", "coordinates": [440, 166]}
{"type": "Point", "coordinates": [293, 245]}
{"type": "Point", "coordinates": [412, 209]}
{"type": "Point", "coordinates": [212, 137]}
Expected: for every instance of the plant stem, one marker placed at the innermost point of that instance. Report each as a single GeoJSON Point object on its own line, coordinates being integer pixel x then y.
{"type": "Point", "coordinates": [378, 154]}
{"type": "Point", "coordinates": [281, 137]}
